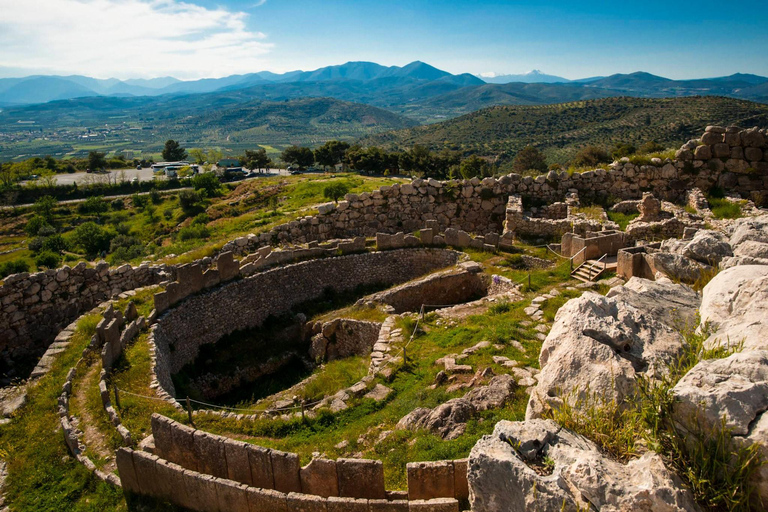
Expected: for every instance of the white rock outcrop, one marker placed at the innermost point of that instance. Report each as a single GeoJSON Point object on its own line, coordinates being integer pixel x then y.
{"type": "Point", "coordinates": [596, 348]}
{"type": "Point", "coordinates": [538, 465]}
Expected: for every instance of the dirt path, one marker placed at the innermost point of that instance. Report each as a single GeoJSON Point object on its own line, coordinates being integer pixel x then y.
{"type": "Point", "coordinates": [92, 437]}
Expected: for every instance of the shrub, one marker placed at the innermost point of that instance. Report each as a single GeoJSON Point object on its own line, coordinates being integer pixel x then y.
{"type": "Point", "coordinates": [123, 242]}
{"type": "Point", "coordinates": [155, 197]}
{"type": "Point", "coordinates": [515, 261]}
{"type": "Point", "coordinates": [36, 244]}
{"type": "Point", "coordinates": [35, 224]}
{"type": "Point", "coordinates": [13, 267]}
{"type": "Point", "coordinates": [529, 158]}
{"type": "Point", "coordinates": [118, 204]}
{"type": "Point", "coordinates": [139, 201]}
{"type": "Point", "coordinates": [188, 200]}
{"type": "Point", "coordinates": [123, 254]}
{"type": "Point", "coordinates": [335, 191]}
{"type": "Point", "coordinates": [201, 219]}
{"type": "Point", "coordinates": [724, 209]}
{"type": "Point", "coordinates": [194, 231]}
{"type": "Point", "coordinates": [651, 147]}
{"type": "Point", "coordinates": [623, 149]}
{"type": "Point", "coordinates": [55, 243]}
{"type": "Point", "coordinates": [591, 156]}
{"type": "Point", "coordinates": [92, 238]}
{"type": "Point", "coordinates": [206, 183]}
{"type": "Point", "coordinates": [47, 259]}
{"type": "Point", "coordinates": [93, 205]}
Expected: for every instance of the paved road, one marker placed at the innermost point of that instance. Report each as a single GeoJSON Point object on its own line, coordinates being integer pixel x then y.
{"type": "Point", "coordinates": [117, 175]}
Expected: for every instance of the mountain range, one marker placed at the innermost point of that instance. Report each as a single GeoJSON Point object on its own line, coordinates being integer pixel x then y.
{"type": "Point", "coordinates": [376, 84]}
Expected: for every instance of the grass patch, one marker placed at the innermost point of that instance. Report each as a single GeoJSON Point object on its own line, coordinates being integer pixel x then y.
{"type": "Point", "coordinates": [724, 209]}
{"type": "Point", "coordinates": [718, 470]}
{"type": "Point", "coordinates": [622, 219]}
{"type": "Point", "coordinates": [42, 475]}
{"type": "Point", "coordinates": [334, 376]}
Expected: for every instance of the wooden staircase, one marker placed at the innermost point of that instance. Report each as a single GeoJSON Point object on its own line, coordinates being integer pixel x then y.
{"type": "Point", "coordinates": [591, 270]}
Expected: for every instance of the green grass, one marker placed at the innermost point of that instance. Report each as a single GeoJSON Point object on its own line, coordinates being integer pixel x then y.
{"type": "Point", "coordinates": [42, 475]}
{"type": "Point", "coordinates": [724, 209]}
{"type": "Point", "coordinates": [335, 376]}
{"type": "Point", "coordinates": [622, 219]}
{"type": "Point", "coordinates": [367, 419]}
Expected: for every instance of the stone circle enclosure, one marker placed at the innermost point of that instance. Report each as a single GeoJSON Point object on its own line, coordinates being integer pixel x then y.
{"type": "Point", "coordinates": [247, 303]}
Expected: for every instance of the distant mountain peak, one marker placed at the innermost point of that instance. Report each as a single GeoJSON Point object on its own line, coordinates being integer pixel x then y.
{"type": "Point", "coordinates": [532, 76]}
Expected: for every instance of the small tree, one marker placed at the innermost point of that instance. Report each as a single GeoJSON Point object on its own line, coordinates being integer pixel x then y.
{"type": "Point", "coordinates": [591, 156]}
{"type": "Point", "coordinates": [206, 183]}
{"type": "Point", "coordinates": [97, 160]}
{"type": "Point", "coordinates": [256, 159]}
{"type": "Point", "coordinates": [92, 238]}
{"type": "Point", "coordinates": [301, 156]}
{"type": "Point", "coordinates": [474, 166]}
{"type": "Point", "coordinates": [331, 153]}
{"type": "Point", "coordinates": [335, 191]}
{"type": "Point", "coordinates": [44, 208]}
{"type": "Point", "coordinates": [623, 149]}
{"type": "Point", "coordinates": [173, 152]}
{"type": "Point", "coordinates": [529, 158]}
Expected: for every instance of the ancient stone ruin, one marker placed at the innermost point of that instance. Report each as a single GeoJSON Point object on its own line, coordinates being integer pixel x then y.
{"type": "Point", "coordinates": [409, 241]}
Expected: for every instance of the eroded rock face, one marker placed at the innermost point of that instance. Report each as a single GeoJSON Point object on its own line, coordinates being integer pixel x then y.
{"type": "Point", "coordinates": [678, 266]}
{"type": "Point", "coordinates": [673, 304]}
{"type": "Point", "coordinates": [749, 228]}
{"type": "Point", "coordinates": [735, 303]}
{"type": "Point", "coordinates": [502, 476]}
{"type": "Point", "coordinates": [734, 388]}
{"type": "Point", "coordinates": [708, 247]}
{"type": "Point", "coordinates": [752, 249]}
{"type": "Point", "coordinates": [596, 347]}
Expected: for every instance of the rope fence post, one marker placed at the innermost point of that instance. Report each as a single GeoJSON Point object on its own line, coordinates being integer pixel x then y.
{"type": "Point", "coordinates": [529, 281]}
{"type": "Point", "coordinates": [189, 412]}
{"type": "Point", "coordinates": [117, 397]}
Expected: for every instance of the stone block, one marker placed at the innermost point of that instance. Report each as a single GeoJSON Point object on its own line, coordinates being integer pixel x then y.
{"type": "Point", "coordinates": [201, 491]}
{"type": "Point", "coordinates": [211, 278]}
{"type": "Point", "coordinates": [463, 239]}
{"type": "Point", "coordinates": [319, 477]}
{"type": "Point", "coordinates": [305, 503]}
{"type": "Point", "coordinates": [190, 278]}
{"type": "Point", "coordinates": [285, 470]}
{"type": "Point", "coordinates": [163, 436]}
{"type": "Point", "coordinates": [124, 459]}
{"type": "Point", "coordinates": [112, 332]}
{"type": "Point", "coordinates": [336, 504]}
{"type": "Point", "coordinates": [238, 467]}
{"type": "Point", "coordinates": [146, 474]}
{"type": "Point", "coordinates": [382, 242]}
{"type": "Point", "coordinates": [182, 450]}
{"type": "Point", "coordinates": [451, 236]}
{"type": "Point", "coordinates": [435, 505]}
{"type": "Point", "coordinates": [388, 505]}
{"type": "Point", "coordinates": [170, 480]}
{"type": "Point", "coordinates": [231, 496]}
{"type": "Point", "coordinates": [260, 461]}
{"type": "Point", "coordinates": [721, 150]}
{"type": "Point", "coordinates": [460, 482]}
{"type": "Point", "coordinates": [427, 480]}
{"type": "Point", "coordinates": [427, 235]}
{"type": "Point", "coordinates": [360, 478]}
{"type": "Point", "coordinates": [266, 500]}
{"type": "Point", "coordinates": [209, 452]}
{"type": "Point", "coordinates": [227, 266]}
{"type": "Point", "coordinates": [162, 302]}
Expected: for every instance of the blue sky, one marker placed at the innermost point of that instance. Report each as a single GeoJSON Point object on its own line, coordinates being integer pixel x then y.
{"type": "Point", "coordinates": [198, 38]}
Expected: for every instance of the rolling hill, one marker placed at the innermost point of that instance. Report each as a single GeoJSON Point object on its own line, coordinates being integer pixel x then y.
{"type": "Point", "coordinates": [74, 127]}
{"type": "Point", "coordinates": [561, 129]}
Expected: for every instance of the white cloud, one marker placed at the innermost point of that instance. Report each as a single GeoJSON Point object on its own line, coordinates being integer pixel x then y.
{"type": "Point", "coordinates": [128, 38]}
{"type": "Point", "coordinates": [489, 74]}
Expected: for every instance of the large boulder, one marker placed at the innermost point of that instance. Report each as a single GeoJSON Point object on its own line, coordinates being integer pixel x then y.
{"type": "Point", "coordinates": [499, 391]}
{"type": "Point", "coordinates": [677, 266]}
{"type": "Point", "coordinates": [749, 228]}
{"type": "Point", "coordinates": [708, 247]}
{"type": "Point", "coordinates": [596, 348]}
{"type": "Point", "coordinates": [735, 305]}
{"type": "Point", "coordinates": [752, 249]}
{"type": "Point", "coordinates": [507, 472]}
{"type": "Point", "coordinates": [674, 304]}
{"type": "Point", "coordinates": [735, 261]}
{"type": "Point", "coordinates": [736, 389]}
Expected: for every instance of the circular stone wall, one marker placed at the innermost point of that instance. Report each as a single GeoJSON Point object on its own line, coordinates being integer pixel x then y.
{"type": "Point", "coordinates": [245, 304]}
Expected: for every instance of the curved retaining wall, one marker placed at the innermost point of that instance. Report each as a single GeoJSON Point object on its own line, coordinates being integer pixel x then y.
{"type": "Point", "coordinates": [209, 316]}
{"type": "Point", "coordinates": [35, 307]}
{"type": "Point", "coordinates": [206, 472]}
